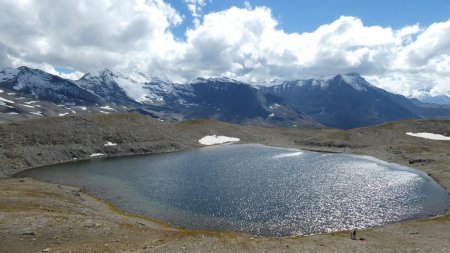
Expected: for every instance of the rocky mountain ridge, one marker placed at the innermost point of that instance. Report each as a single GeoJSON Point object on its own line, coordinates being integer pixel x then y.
{"type": "Point", "coordinates": [344, 101]}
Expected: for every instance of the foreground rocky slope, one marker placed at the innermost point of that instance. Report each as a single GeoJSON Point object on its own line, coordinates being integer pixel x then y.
{"type": "Point", "coordinates": [36, 216]}
{"type": "Point", "coordinates": [32, 143]}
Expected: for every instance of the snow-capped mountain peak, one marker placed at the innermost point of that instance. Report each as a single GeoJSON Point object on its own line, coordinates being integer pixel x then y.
{"type": "Point", "coordinates": [356, 81]}
{"type": "Point", "coordinates": [214, 80]}
{"type": "Point", "coordinates": [137, 86]}
{"type": "Point", "coordinates": [130, 83]}
{"type": "Point", "coordinates": [8, 74]}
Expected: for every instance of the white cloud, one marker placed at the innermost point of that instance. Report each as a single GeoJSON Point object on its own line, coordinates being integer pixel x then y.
{"type": "Point", "coordinates": [195, 7]}
{"type": "Point", "coordinates": [243, 43]}
{"type": "Point", "coordinates": [86, 34]}
{"type": "Point", "coordinates": [4, 58]}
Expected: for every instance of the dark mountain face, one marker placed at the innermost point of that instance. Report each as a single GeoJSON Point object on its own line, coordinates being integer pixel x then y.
{"type": "Point", "coordinates": [237, 102]}
{"type": "Point", "coordinates": [107, 91]}
{"type": "Point", "coordinates": [345, 101]}
{"type": "Point", "coordinates": [105, 87]}
{"type": "Point", "coordinates": [230, 100]}
{"type": "Point", "coordinates": [342, 102]}
{"type": "Point", "coordinates": [47, 87]}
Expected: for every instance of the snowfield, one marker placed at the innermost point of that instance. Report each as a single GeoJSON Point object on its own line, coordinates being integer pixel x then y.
{"type": "Point", "coordinates": [38, 113]}
{"type": "Point", "coordinates": [97, 154]}
{"type": "Point", "coordinates": [107, 107]}
{"type": "Point", "coordinates": [214, 139]}
{"type": "Point", "coordinates": [6, 100]}
{"type": "Point", "coordinates": [109, 144]}
{"type": "Point", "coordinates": [430, 136]}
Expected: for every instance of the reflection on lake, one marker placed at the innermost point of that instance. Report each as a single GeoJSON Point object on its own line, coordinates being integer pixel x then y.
{"type": "Point", "coordinates": [258, 189]}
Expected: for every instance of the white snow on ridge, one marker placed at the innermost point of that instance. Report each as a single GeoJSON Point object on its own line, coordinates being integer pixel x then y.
{"type": "Point", "coordinates": [274, 106]}
{"type": "Point", "coordinates": [8, 74]}
{"type": "Point", "coordinates": [97, 154]}
{"type": "Point", "coordinates": [107, 107]}
{"type": "Point", "coordinates": [6, 100]}
{"type": "Point", "coordinates": [214, 139]}
{"type": "Point", "coordinates": [31, 102]}
{"type": "Point", "coordinates": [63, 114]}
{"type": "Point", "coordinates": [271, 83]}
{"type": "Point", "coordinates": [356, 82]}
{"type": "Point", "coordinates": [288, 155]}
{"type": "Point", "coordinates": [1, 91]}
{"type": "Point", "coordinates": [430, 136]}
{"type": "Point", "coordinates": [109, 144]}
{"type": "Point", "coordinates": [214, 79]}
{"type": "Point", "coordinates": [133, 87]}
{"type": "Point", "coordinates": [12, 113]}
{"type": "Point", "coordinates": [38, 113]}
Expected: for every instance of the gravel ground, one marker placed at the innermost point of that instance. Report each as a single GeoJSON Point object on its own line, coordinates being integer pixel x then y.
{"type": "Point", "coordinates": [41, 217]}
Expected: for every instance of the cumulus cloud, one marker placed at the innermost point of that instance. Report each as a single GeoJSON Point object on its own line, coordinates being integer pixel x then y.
{"type": "Point", "coordinates": [86, 34]}
{"type": "Point", "coordinates": [195, 7]}
{"type": "Point", "coordinates": [242, 43]}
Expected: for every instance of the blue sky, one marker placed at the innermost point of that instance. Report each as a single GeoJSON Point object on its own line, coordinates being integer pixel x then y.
{"type": "Point", "coordinates": [307, 15]}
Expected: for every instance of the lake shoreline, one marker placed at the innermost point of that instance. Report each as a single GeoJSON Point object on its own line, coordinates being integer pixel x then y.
{"type": "Point", "coordinates": [108, 167]}
{"type": "Point", "coordinates": [36, 215]}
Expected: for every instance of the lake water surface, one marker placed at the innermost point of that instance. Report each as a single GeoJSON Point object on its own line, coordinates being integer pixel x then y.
{"type": "Point", "coordinates": [258, 189]}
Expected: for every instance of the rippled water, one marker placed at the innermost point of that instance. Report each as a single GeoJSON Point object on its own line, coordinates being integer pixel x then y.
{"type": "Point", "coordinates": [258, 189]}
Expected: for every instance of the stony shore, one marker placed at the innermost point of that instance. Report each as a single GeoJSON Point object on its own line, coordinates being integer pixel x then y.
{"type": "Point", "coordinates": [41, 217]}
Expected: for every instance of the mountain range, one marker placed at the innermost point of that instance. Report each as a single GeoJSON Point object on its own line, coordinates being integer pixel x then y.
{"type": "Point", "coordinates": [344, 101]}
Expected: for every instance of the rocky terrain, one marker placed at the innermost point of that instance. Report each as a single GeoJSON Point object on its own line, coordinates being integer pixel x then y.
{"type": "Point", "coordinates": [41, 217]}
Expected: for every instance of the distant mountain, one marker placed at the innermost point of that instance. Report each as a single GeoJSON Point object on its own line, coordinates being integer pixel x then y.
{"type": "Point", "coordinates": [30, 93]}
{"type": "Point", "coordinates": [107, 91]}
{"type": "Point", "coordinates": [344, 101]}
{"type": "Point", "coordinates": [441, 99]}
{"type": "Point", "coordinates": [234, 101]}
{"type": "Point", "coordinates": [105, 85]}
{"type": "Point", "coordinates": [44, 86]}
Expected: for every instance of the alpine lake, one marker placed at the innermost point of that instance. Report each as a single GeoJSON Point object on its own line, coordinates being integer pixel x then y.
{"type": "Point", "coordinates": [257, 189]}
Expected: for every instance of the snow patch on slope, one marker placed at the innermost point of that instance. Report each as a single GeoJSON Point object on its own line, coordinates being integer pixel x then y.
{"type": "Point", "coordinates": [6, 100]}
{"type": "Point", "coordinates": [107, 107]}
{"type": "Point", "coordinates": [430, 136]}
{"type": "Point", "coordinates": [38, 113]}
{"type": "Point", "coordinates": [214, 139]}
{"type": "Point", "coordinates": [97, 154]}
{"type": "Point", "coordinates": [8, 74]}
{"type": "Point", "coordinates": [356, 81]}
